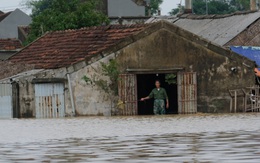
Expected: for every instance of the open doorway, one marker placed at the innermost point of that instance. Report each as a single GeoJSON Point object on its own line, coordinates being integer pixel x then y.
{"type": "Point", "coordinates": [145, 84]}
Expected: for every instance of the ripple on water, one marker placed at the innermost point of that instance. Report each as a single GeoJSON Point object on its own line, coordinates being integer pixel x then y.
{"type": "Point", "coordinates": [201, 138]}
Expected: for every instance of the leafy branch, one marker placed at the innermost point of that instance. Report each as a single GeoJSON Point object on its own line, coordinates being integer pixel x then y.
{"type": "Point", "coordinates": [110, 87]}
{"type": "Point", "coordinates": [171, 79]}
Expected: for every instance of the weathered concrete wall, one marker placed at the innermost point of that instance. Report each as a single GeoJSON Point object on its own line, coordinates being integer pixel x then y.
{"type": "Point", "coordinates": [26, 99]}
{"type": "Point", "coordinates": [164, 49]}
{"type": "Point", "coordinates": [27, 91]}
{"type": "Point", "coordinates": [90, 99]}
{"type": "Point", "coordinates": [9, 26]}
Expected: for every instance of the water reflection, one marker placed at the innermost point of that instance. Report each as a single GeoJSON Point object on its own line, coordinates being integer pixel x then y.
{"type": "Point", "coordinates": [206, 138]}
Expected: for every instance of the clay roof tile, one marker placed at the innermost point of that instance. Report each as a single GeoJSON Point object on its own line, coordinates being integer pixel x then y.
{"type": "Point", "coordinates": [63, 48]}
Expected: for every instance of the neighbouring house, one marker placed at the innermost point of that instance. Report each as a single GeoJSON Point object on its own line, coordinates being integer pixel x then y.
{"type": "Point", "coordinates": [10, 21]}
{"type": "Point", "coordinates": [237, 29]}
{"type": "Point", "coordinates": [125, 11]}
{"type": "Point", "coordinates": [52, 84]}
{"type": "Point", "coordinates": [123, 8]}
{"type": "Point", "coordinates": [8, 47]}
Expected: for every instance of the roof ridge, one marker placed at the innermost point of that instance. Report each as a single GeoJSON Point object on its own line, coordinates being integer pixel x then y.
{"type": "Point", "coordinates": [112, 26]}
{"type": "Point", "coordinates": [214, 16]}
{"type": "Point", "coordinates": [77, 44]}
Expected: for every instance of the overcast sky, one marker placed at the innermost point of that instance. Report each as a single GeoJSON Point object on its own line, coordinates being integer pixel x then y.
{"type": "Point", "coordinates": [9, 5]}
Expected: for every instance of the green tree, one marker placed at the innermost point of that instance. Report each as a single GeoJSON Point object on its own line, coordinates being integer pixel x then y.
{"type": "Point", "coordinates": [241, 5]}
{"type": "Point", "coordinates": [154, 7]}
{"type": "Point", "coordinates": [214, 7]}
{"type": "Point", "coordinates": [53, 15]}
{"type": "Point", "coordinates": [176, 11]}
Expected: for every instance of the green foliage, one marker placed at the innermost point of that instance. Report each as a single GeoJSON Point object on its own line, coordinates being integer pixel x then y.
{"type": "Point", "coordinates": [176, 11]}
{"type": "Point", "coordinates": [171, 79]}
{"type": "Point", "coordinates": [111, 70]}
{"type": "Point", "coordinates": [216, 7]}
{"type": "Point", "coordinates": [104, 85]}
{"type": "Point", "coordinates": [154, 6]}
{"type": "Point", "coordinates": [241, 5]}
{"type": "Point", "coordinates": [110, 87]}
{"type": "Point", "coordinates": [53, 15]}
{"type": "Point", "coordinates": [87, 79]}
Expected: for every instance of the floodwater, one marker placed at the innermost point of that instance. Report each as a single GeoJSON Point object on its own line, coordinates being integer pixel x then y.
{"type": "Point", "coordinates": [177, 138]}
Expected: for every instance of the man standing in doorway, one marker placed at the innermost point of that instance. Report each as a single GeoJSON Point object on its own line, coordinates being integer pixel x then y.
{"type": "Point", "coordinates": [159, 94]}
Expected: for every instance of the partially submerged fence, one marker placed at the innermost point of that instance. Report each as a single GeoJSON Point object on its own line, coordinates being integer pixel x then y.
{"type": "Point", "coordinates": [250, 99]}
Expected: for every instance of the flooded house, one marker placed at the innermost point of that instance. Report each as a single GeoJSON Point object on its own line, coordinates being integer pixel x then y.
{"type": "Point", "coordinates": [50, 82]}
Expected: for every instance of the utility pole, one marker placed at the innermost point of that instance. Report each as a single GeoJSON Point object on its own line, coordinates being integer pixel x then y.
{"type": "Point", "coordinates": [148, 6]}
{"type": "Point", "coordinates": [207, 7]}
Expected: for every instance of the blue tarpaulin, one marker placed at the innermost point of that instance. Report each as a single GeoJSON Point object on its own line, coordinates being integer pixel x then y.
{"type": "Point", "coordinates": [250, 52]}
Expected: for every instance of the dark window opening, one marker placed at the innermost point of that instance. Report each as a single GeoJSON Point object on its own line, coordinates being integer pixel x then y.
{"type": "Point", "coordinates": [145, 84]}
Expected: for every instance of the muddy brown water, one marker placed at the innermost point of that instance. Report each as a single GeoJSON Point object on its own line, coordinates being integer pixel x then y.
{"type": "Point", "coordinates": [193, 138]}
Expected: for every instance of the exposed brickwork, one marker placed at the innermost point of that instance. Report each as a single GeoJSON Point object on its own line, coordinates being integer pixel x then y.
{"type": "Point", "coordinates": [10, 44]}
{"type": "Point", "coordinates": [63, 48]}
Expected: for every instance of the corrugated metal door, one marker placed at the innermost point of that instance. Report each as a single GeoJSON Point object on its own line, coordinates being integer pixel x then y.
{"type": "Point", "coordinates": [6, 109]}
{"type": "Point", "coordinates": [49, 100]}
{"type": "Point", "coordinates": [187, 92]}
{"type": "Point", "coordinates": [128, 93]}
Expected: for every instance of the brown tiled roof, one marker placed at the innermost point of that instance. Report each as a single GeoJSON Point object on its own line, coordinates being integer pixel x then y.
{"type": "Point", "coordinates": [64, 48]}
{"type": "Point", "coordinates": [10, 44]}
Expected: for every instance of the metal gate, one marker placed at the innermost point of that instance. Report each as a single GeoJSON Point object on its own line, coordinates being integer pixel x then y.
{"type": "Point", "coordinates": [187, 92]}
{"type": "Point", "coordinates": [128, 94]}
{"type": "Point", "coordinates": [6, 109]}
{"type": "Point", "coordinates": [49, 100]}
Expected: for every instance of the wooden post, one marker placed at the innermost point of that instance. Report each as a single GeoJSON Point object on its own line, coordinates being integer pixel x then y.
{"type": "Point", "coordinates": [231, 101]}
{"type": "Point", "coordinates": [244, 100]}
{"type": "Point", "coordinates": [235, 107]}
{"type": "Point", "coordinates": [244, 103]}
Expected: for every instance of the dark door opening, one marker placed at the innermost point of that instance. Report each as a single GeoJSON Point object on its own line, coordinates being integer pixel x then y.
{"type": "Point", "coordinates": [145, 84]}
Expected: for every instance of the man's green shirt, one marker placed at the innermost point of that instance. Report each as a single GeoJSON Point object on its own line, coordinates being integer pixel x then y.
{"type": "Point", "coordinates": [159, 94]}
